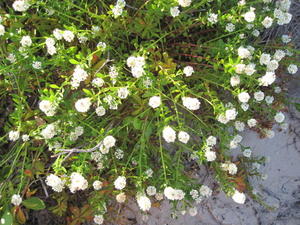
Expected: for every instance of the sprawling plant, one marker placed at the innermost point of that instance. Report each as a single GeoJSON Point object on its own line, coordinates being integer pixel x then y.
{"type": "Point", "coordinates": [112, 99]}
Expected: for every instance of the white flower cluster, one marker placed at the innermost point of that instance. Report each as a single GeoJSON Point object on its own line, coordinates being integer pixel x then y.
{"type": "Point", "coordinates": [49, 131]}
{"type": "Point", "coordinates": [26, 41]}
{"type": "Point", "coordinates": [78, 76]}
{"type": "Point", "coordinates": [118, 8]}
{"type": "Point", "coordinates": [98, 82]}
{"type": "Point", "coordinates": [123, 92]}
{"type": "Point", "coordinates": [231, 168]}
{"type": "Point", "coordinates": [250, 15]}
{"type": "Point", "coordinates": [21, 5]}
{"type": "Point", "coordinates": [98, 219]}
{"type": "Point", "coordinates": [83, 104]}
{"type": "Point", "coordinates": [235, 141]}
{"type": "Point", "coordinates": [121, 198]}
{"type": "Point", "coordinates": [191, 103]}
{"type": "Point", "coordinates": [154, 101]}
{"type": "Point", "coordinates": [184, 3]}
{"type": "Point", "coordinates": [173, 194]}
{"type": "Point", "coordinates": [281, 12]}
{"type": "Point", "coordinates": [120, 182]}
{"type": "Point", "coordinates": [239, 197]}
{"type": "Point", "coordinates": [16, 200]}
{"type": "Point", "coordinates": [56, 183]}
{"type": "Point", "coordinates": [212, 18]}
{"type": "Point", "coordinates": [50, 44]}
{"type": "Point", "coordinates": [13, 135]}
{"type": "Point", "coordinates": [100, 111]}
{"type": "Point", "coordinates": [107, 143]}
{"type": "Point", "coordinates": [188, 71]}
{"type": "Point", "coordinates": [169, 134]}
{"type": "Point", "coordinates": [74, 135]}
{"type": "Point", "coordinates": [97, 185]}
{"type": "Point", "coordinates": [174, 11]}
{"type": "Point", "coordinates": [143, 202]}
{"type": "Point", "coordinates": [47, 107]}
{"type": "Point", "coordinates": [77, 182]}
{"type": "Point", "coordinates": [136, 64]}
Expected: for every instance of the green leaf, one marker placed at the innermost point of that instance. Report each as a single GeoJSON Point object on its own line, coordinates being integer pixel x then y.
{"type": "Point", "coordinates": [297, 106]}
{"type": "Point", "coordinates": [7, 218]}
{"type": "Point", "coordinates": [34, 203]}
{"type": "Point", "coordinates": [73, 61]}
{"type": "Point", "coordinates": [54, 86]}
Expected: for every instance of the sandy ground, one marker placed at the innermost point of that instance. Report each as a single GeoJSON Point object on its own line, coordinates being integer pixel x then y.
{"type": "Point", "coordinates": [280, 189]}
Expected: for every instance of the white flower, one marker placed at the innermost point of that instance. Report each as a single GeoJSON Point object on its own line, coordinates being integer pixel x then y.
{"type": "Point", "coordinates": [100, 111]}
{"type": "Point", "coordinates": [250, 69]}
{"type": "Point", "coordinates": [231, 114]}
{"type": "Point", "coordinates": [269, 133]}
{"type": "Point", "coordinates": [109, 141]}
{"type": "Point", "coordinates": [211, 141]}
{"type": "Point", "coordinates": [47, 107]}
{"type": "Point", "coordinates": [269, 99]}
{"type": "Point", "coordinates": [2, 30]}
{"type": "Point", "coordinates": [243, 97]}
{"type": "Point", "coordinates": [247, 152]}
{"type": "Point", "coordinates": [210, 155]}
{"type": "Point", "coordinates": [25, 137]}
{"type": "Point", "coordinates": [212, 18]}
{"type": "Point", "coordinates": [121, 198]}
{"type": "Point", "coordinates": [49, 131]}
{"type": "Point", "coordinates": [292, 69]}
{"type": "Point", "coordinates": [222, 119]}
{"type": "Point", "coordinates": [259, 96]}
{"type": "Point", "coordinates": [240, 68]}
{"type": "Point", "coordinates": [56, 183]}
{"type": "Point", "coordinates": [98, 82]}
{"type": "Point", "coordinates": [252, 122]}
{"type": "Point", "coordinates": [78, 76]}
{"type": "Point", "coordinates": [51, 50]}
{"type": "Point", "coordinates": [230, 27]}
{"type": "Point", "coordinates": [240, 126]}
{"type": "Point", "coordinates": [123, 92]}
{"type": "Point", "coordinates": [143, 202]}
{"type": "Point", "coordinates": [102, 45]}
{"type": "Point", "coordinates": [68, 35]}
{"type": "Point", "coordinates": [50, 42]}
{"type": "Point", "coordinates": [285, 38]}
{"type": "Point", "coordinates": [13, 135]}
{"type": "Point", "coordinates": [245, 106]}
{"type": "Point", "coordinates": [267, 79]}
{"type": "Point", "coordinates": [231, 168]}
{"type": "Point", "coordinates": [58, 34]}
{"type": "Point", "coordinates": [239, 197]}
{"type": "Point", "coordinates": [279, 55]}
{"type": "Point", "coordinates": [174, 11]}
{"type": "Point", "coordinates": [272, 65]}
{"type": "Point", "coordinates": [83, 104]}
{"type": "Point", "coordinates": [117, 10]}
{"type": "Point", "coordinates": [173, 194]}
{"type": "Point", "coordinates": [21, 5]}
{"type": "Point", "coordinates": [159, 196]}
{"type": "Point", "coordinates": [16, 200]}
{"type": "Point", "coordinates": [11, 58]}
{"type": "Point", "coordinates": [193, 211]}
{"type": "Point", "coordinates": [136, 64]}
{"type": "Point", "coordinates": [78, 182]}
{"type": "Point", "coordinates": [97, 184]}
{"type": "Point", "coordinates": [154, 101]}
{"type": "Point", "coordinates": [169, 134]}
{"type": "Point", "coordinates": [265, 59]}
{"type": "Point", "coordinates": [149, 172]}
{"type": "Point", "coordinates": [235, 80]}
{"type": "Point", "coordinates": [183, 137]}
{"type": "Point", "coordinates": [205, 191]}
{"type": "Point", "coordinates": [120, 182]}
{"type": "Point", "coordinates": [267, 22]}
{"type": "Point", "coordinates": [188, 71]}
{"type": "Point", "coordinates": [277, 89]}
{"type": "Point", "coordinates": [191, 103]}
{"type": "Point", "coordinates": [249, 16]}
{"type": "Point", "coordinates": [98, 219]}
{"type": "Point", "coordinates": [255, 33]}
{"type": "Point", "coordinates": [279, 117]}
{"type": "Point", "coordinates": [243, 52]}
{"type": "Point", "coordinates": [151, 190]}
{"type": "Point", "coordinates": [26, 41]}
{"type": "Point", "coordinates": [184, 3]}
